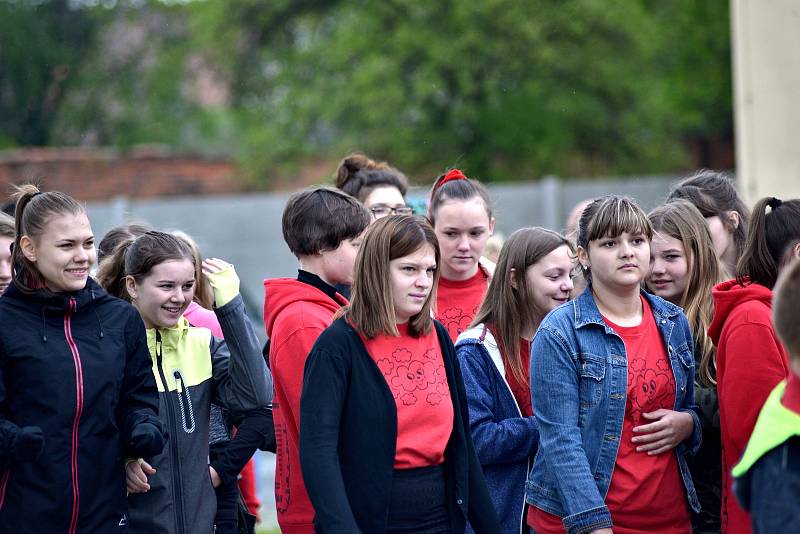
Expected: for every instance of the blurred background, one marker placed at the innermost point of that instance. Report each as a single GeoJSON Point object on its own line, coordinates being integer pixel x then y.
{"type": "Point", "coordinates": [204, 115]}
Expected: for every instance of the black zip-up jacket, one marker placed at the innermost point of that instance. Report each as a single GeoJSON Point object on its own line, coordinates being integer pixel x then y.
{"type": "Point", "coordinates": [75, 366]}
{"type": "Point", "coordinates": [348, 439]}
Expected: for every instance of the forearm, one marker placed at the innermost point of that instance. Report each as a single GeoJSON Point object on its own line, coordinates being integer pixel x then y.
{"type": "Point", "coordinates": [249, 383]}
{"type": "Point", "coordinates": [230, 459]}
{"type": "Point", "coordinates": [512, 440]}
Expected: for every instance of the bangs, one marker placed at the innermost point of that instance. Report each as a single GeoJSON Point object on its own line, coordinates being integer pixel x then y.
{"type": "Point", "coordinates": [615, 216]}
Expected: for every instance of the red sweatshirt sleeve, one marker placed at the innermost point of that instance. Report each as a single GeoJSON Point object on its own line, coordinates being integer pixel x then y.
{"type": "Point", "coordinates": [287, 370]}
{"type": "Point", "coordinates": [754, 364]}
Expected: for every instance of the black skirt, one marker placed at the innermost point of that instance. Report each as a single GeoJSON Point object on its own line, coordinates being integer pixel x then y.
{"type": "Point", "coordinates": [419, 501]}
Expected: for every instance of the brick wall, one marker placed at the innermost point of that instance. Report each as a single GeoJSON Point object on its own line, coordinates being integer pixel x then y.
{"type": "Point", "coordinates": [92, 174]}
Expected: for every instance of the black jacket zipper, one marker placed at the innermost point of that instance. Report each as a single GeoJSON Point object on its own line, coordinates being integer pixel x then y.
{"type": "Point", "coordinates": [177, 496]}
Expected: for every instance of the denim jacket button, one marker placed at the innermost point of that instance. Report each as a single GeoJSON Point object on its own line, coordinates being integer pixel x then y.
{"type": "Point", "coordinates": [459, 502]}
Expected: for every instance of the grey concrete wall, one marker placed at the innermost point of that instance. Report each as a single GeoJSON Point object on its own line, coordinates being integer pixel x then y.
{"type": "Point", "coordinates": [246, 229]}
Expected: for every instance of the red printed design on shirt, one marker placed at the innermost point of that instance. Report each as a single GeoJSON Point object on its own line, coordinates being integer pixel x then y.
{"type": "Point", "coordinates": [412, 380]}
{"type": "Point", "coordinates": [458, 302]}
{"type": "Point", "coordinates": [649, 388]}
{"type": "Point", "coordinates": [415, 373]}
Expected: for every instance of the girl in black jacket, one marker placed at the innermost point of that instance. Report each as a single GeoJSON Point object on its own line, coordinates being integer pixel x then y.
{"type": "Point", "coordinates": [384, 442]}
{"type": "Point", "coordinates": [76, 392]}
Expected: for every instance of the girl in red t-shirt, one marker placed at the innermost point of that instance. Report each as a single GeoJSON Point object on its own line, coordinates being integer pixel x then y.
{"type": "Point", "coordinates": [461, 214]}
{"type": "Point", "coordinates": [625, 442]}
{"type": "Point", "coordinates": [384, 445]}
{"type": "Point", "coordinates": [533, 276]}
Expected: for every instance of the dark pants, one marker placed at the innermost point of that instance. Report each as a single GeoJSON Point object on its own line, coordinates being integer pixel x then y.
{"type": "Point", "coordinates": [227, 503]}
{"type": "Point", "coordinates": [419, 502]}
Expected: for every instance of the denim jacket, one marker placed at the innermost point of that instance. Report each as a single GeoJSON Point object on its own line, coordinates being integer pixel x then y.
{"type": "Point", "coordinates": [504, 440]}
{"type": "Point", "coordinates": [579, 372]}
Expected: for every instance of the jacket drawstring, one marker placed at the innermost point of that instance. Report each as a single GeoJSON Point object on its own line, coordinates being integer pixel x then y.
{"type": "Point", "coordinates": [44, 325]}
{"type": "Point", "coordinates": [97, 315]}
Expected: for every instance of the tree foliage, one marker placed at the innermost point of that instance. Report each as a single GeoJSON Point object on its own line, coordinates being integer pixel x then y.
{"type": "Point", "coordinates": [42, 45]}
{"type": "Point", "coordinates": [506, 88]}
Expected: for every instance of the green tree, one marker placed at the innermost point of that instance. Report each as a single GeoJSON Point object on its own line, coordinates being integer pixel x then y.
{"type": "Point", "coordinates": [42, 45]}
{"type": "Point", "coordinates": [505, 88]}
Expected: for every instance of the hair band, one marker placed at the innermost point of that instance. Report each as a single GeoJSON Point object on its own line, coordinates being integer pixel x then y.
{"type": "Point", "coordinates": [774, 203]}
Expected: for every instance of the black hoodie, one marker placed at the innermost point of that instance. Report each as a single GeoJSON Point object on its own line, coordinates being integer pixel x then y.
{"type": "Point", "coordinates": [76, 366]}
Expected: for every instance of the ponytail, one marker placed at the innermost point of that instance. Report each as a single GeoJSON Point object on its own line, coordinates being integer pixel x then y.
{"type": "Point", "coordinates": [33, 210]}
{"type": "Point", "coordinates": [769, 236]}
{"type": "Point", "coordinates": [111, 274]}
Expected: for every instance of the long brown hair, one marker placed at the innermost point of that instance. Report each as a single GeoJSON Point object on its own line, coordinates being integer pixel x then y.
{"type": "Point", "coordinates": [768, 239]}
{"type": "Point", "coordinates": [681, 220]}
{"type": "Point", "coordinates": [509, 309]}
{"type": "Point", "coordinates": [371, 308]}
{"type": "Point", "coordinates": [203, 293]}
{"type": "Point", "coordinates": [714, 193]}
{"type": "Point", "coordinates": [33, 212]}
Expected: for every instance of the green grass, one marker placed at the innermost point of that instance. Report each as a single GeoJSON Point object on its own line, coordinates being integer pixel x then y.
{"type": "Point", "coordinates": [268, 530]}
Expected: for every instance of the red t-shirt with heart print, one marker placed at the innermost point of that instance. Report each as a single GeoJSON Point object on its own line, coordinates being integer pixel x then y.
{"type": "Point", "coordinates": [646, 492]}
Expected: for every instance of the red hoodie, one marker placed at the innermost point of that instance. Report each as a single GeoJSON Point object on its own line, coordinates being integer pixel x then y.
{"type": "Point", "coordinates": [295, 314]}
{"type": "Point", "coordinates": [750, 363]}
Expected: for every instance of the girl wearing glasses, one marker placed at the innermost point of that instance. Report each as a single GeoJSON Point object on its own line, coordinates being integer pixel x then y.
{"type": "Point", "coordinates": [380, 187]}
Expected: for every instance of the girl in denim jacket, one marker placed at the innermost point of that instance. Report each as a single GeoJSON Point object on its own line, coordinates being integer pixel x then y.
{"type": "Point", "coordinates": [533, 276]}
{"type": "Point", "coordinates": [614, 393]}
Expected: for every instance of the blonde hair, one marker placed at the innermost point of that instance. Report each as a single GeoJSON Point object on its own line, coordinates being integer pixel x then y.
{"type": "Point", "coordinates": [509, 309]}
{"type": "Point", "coordinates": [203, 293]}
{"type": "Point", "coordinates": [371, 308]}
{"type": "Point", "coordinates": [681, 220]}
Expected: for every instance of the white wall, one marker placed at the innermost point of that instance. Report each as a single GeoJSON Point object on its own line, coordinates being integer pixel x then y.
{"type": "Point", "coordinates": [766, 65]}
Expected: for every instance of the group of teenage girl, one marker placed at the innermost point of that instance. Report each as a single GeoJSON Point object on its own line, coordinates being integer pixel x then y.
{"type": "Point", "coordinates": [607, 380]}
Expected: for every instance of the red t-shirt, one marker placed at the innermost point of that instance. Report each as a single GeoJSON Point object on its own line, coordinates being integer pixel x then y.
{"type": "Point", "coordinates": [457, 302]}
{"type": "Point", "coordinates": [414, 370]}
{"type": "Point", "coordinates": [520, 389]}
{"type": "Point", "coordinates": [646, 492]}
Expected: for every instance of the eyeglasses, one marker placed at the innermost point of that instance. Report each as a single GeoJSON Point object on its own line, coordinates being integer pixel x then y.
{"type": "Point", "coordinates": [383, 211]}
